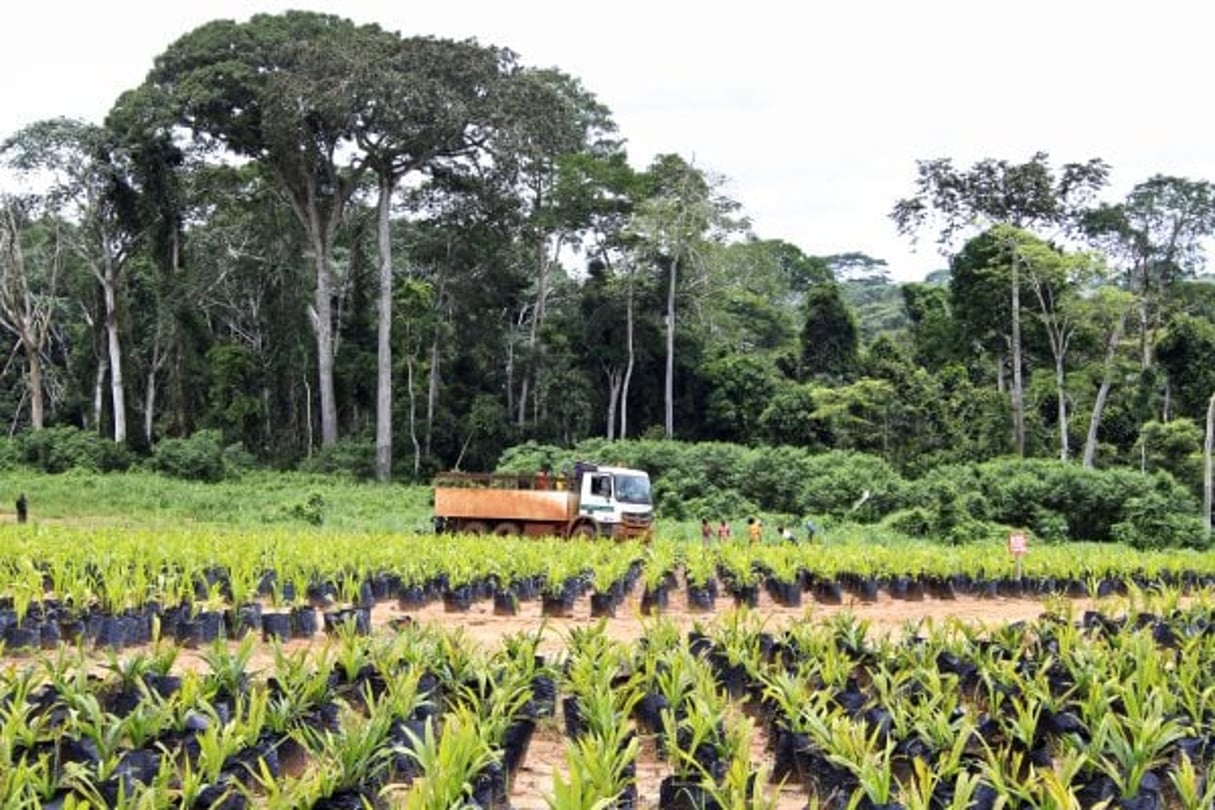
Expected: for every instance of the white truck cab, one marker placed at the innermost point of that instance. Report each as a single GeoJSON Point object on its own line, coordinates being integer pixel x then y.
{"type": "Point", "coordinates": [617, 500]}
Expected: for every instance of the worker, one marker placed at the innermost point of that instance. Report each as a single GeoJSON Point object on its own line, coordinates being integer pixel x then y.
{"type": "Point", "coordinates": [755, 530]}
{"type": "Point", "coordinates": [542, 479]}
{"type": "Point", "coordinates": [706, 531]}
{"type": "Point", "coordinates": [723, 531]}
{"type": "Point", "coordinates": [785, 534]}
{"type": "Point", "coordinates": [23, 508]}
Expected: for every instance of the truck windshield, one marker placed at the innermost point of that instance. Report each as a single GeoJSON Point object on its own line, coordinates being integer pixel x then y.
{"type": "Point", "coordinates": [633, 489]}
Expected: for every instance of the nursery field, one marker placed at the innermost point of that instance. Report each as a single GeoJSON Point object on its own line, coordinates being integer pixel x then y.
{"type": "Point", "coordinates": [289, 665]}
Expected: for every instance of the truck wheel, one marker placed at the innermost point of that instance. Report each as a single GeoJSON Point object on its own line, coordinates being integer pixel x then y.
{"type": "Point", "coordinates": [583, 531]}
{"type": "Point", "coordinates": [474, 527]}
{"type": "Point", "coordinates": [507, 529]}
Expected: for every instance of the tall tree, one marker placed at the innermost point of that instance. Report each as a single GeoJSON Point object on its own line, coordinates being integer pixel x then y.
{"type": "Point", "coordinates": [684, 211]}
{"type": "Point", "coordinates": [604, 186]}
{"type": "Point", "coordinates": [1107, 310]}
{"type": "Point", "coordinates": [420, 103]}
{"type": "Point", "coordinates": [550, 126]}
{"type": "Point", "coordinates": [270, 90]}
{"type": "Point", "coordinates": [1208, 471]}
{"type": "Point", "coordinates": [1029, 196]}
{"type": "Point", "coordinates": [164, 302]}
{"type": "Point", "coordinates": [1055, 278]}
{"type": "Point", "coordinates": [31, 256]}
{"type": "Point", "coordinates": [1156, 235]}
{"type": "Point", "coordinates": [89, 179]}
{"type": "Point", "coordinates": [830, 339]}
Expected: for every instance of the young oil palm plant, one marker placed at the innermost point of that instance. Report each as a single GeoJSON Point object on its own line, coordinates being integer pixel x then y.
{"type": "Point", "coordinates": [449, 762]}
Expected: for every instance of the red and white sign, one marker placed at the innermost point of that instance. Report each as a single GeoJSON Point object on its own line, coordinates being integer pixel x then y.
{"type": "Point", "coordinates": [1018, 545]}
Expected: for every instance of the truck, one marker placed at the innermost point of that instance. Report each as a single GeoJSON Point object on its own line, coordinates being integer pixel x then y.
{"type": "Point", "coordinates": [594, 501]}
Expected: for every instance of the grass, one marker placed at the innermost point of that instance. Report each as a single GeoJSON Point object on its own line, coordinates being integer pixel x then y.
{"type": "Point", "coordinates": [256, 499]}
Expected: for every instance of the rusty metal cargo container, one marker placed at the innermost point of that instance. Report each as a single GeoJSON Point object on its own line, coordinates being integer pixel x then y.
{"type": "Point", "coordinates": [505, 504]}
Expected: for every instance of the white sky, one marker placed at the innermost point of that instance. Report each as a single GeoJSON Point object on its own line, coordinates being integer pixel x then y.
{"type": "Point", "coordinates": [815, 111]}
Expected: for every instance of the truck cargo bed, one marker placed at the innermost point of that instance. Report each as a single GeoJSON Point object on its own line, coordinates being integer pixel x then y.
{"type": "Point", "coordinates": [504, 504]}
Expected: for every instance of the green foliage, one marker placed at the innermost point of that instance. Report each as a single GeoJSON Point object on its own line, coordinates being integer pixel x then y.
{"type": "Point", "coordinates": [310, 510]}
{"type": "Point", "coordinates": [59, 449]}
{"type": "Point", "coordinates": [199, 457]}
{"type": "Point", "coordinates": [1175, 447]}
{"type": "Point", "coordinates": [1152, 521]}
{"type": "Point", "coordinates": [10, 453]}
{"type": "Point", "coordinates": [353, 456]}
{"type": "Point", "coordinates": [918, 521]}
{"type": "Point", "coordinates": [830, 338]}
{"type": "Point", "coordinates": [236, 386]}
{"type": "Point", "coordinates": [741, 388]}
{"type": "Point", "coordinates": [1054, 499]}
{"type": "Point", "coordinates": [789, 417]}
{"type": "Point", "coordinates": [1184, 353]}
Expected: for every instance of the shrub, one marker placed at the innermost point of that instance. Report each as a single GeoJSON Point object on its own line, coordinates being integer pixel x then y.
{"type": "Point", "coordinates": [1057, 500]}
{"type": "Point", "coordinates": [10, 453]}
{"type": "Point", "coordinates": [1151, 522]}
{"type": "Point", "coordinates": [350, 456]}
{"type": "Point", "coordinates": [63, 448]}
{"type": "Point", "coordinates": [849, 485]}
{"type": "Point", "coordinates": [914, 522]}
{"type": "Point", "coordinates": [199, 457]}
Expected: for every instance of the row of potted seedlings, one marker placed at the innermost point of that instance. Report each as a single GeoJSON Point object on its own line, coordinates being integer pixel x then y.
{"type": "Point", "coordinates": [1113, 707]}
{"type": "Point", "coordinates": [197, 586]}
{"type": "Point", "coordinates": [344, 726]}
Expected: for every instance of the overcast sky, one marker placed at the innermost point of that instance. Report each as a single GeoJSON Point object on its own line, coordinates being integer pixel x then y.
{"type": "Point", "coordinates": [815, 112]}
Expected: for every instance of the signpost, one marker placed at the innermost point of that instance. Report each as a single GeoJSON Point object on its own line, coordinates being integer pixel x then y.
{"type": "Point", "coordinates": [1018, 547]}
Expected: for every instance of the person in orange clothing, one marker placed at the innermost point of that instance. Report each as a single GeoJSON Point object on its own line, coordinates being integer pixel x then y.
{"type": "Point", "coordinates": [755, 529]}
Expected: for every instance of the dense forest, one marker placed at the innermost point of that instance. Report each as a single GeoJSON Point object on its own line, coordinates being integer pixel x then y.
{"type": "Point", "coordinates": [329, 244]}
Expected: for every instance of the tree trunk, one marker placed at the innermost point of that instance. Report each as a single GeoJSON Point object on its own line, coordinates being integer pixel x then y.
{"type": "Point", "coordinates": [1094, 422]}
{"type": "Point", "coordinates": [36, 401]}
{"type": "Point", "coordinates": [149, 406]}
{"type": "Point", "coordinates": [614, 376]}
{"type": "Point", "coordinates": [383, 397]}
{"type": "Point", "coordinates": [103, 370]}
{"type": "Point", "coordinates": [1207, 470]}
{"type": "Point", "coordinates": [531, 373]}
{"type": "Point", "coordinates": [149, 398]}
{"type": "Point", "coordinates": [322, 327]}
{"type": "Point", "coordinates": [1018, 393]}
{"type": "Point", "coordinates": [432, 389]}
{"type": "Point", "coordinates": [149, 401]}
{"type": "Point", "coordinates": [114, 349]}
{"type": "Point", "coordinates": [1061, 395]}
{"type": "Point", "coordinates": [632, 356]}
{"type": "Point", "coordinates": [1145, 346]}
{"type": "Point", "coordinates": [669, 384]}
{"type": "Point", "coordinates": [413, 414]}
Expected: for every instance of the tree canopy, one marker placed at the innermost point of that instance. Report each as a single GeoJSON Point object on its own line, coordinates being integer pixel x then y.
{"type": "Point", "coordinates": [337, 246]}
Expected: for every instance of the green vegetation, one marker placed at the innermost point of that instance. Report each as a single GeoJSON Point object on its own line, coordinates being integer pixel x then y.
{"type": "Point", "coordinates": [256, 499]}
{"type": "Point", "coordinates": [177, 282]}
{"type": "Point", "coordinates": [958, 504]}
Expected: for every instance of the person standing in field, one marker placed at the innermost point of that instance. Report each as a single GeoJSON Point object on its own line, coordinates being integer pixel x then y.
{"type": "Point", "coordinates": [755, 530]}
{"type": "Point", "coordinates": [706, 531]}
{"type": "Point", "coordinates": [723, 531]}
